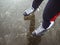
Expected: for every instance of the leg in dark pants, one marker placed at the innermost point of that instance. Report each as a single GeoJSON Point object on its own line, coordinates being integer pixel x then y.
{"type": "Point", "coordinates": [36, 3]}
{"type": "Point", "coordinates": [50, 13]}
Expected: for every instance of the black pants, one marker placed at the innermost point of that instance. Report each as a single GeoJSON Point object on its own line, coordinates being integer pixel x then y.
{"type": "Point", "coordinates": [50, 13]}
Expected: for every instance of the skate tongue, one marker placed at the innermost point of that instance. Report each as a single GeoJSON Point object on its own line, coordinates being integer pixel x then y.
{"type": "Point", "coordinates": [39, 30]}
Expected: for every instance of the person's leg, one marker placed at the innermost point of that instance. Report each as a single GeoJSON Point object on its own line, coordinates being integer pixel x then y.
{"type": "Point", "coordinates": [35, 5]}
{"type": "Point", "coordinates": [49, 16]}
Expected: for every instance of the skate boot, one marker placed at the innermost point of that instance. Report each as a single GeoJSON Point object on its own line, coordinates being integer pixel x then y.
{"type": "Point", "coordinates": [28, 11]}
{"type": "Point", "coordinates": [39, 31]}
